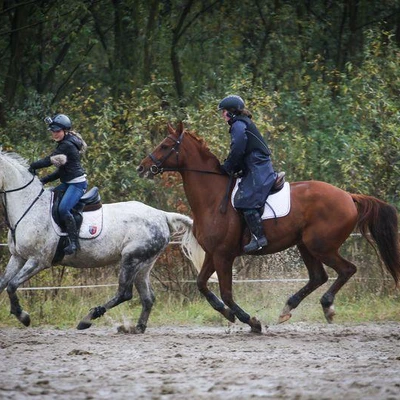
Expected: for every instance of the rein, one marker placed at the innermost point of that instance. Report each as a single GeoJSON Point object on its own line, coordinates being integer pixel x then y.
{"type": "Point", "coordinates": [27, 210]}
{"type": "Point", "coordinates": [176, 169]}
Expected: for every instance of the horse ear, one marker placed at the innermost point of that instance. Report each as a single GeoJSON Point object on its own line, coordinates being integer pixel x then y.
{"type": "Point", "coordinates": [171, 130]}
{"type": "Point", "coordinates": [180, 127]}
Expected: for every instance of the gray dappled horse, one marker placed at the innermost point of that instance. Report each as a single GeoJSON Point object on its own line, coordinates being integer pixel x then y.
{"type": "Point", "coordinates": [133, 234]}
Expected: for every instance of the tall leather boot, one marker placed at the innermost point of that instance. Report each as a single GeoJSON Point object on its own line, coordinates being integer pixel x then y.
{"type": "Point", "coordinates": [254, 222]}
{"type": "Point", "coordinates": [70, 227]}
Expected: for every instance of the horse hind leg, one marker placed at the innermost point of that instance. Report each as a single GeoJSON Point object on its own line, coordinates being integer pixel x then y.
{"type": "Point", "coordinates": [146, 294]}
{"type": "Point", "coordinates": [317, 277]}
{"type": "Point", "coordinates": [132, 271]}
{"type": "Point", "coordinates": [345, 270]}
{"type": "Point", "coordinates": [124, 293]}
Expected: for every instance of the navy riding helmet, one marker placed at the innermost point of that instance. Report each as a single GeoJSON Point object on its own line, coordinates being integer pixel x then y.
{"type": "Point", "coordinates": [231, 103]}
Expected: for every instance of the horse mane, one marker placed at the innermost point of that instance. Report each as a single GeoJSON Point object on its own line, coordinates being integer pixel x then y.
{"type": "Point", "coordinates": [15, 159]}
{"type": "Point", "coordinates": [206, 151]}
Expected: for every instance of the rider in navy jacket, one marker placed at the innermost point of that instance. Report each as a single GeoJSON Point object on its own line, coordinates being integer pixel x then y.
{"type": "Point", "coordinates": [249, 157]}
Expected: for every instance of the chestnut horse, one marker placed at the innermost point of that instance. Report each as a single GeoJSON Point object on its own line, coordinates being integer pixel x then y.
{"type": "Point", "coordinates": [321, 218]}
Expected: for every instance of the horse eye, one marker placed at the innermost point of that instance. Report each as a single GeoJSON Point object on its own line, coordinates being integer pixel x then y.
{"type": "Point", "coordinates": [164, 147]}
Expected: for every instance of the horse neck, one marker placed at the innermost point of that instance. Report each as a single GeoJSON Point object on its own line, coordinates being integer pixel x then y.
{"type": "Point", "coordinates": [203, 190]}
{"type": "Point", "coordinates": [17, 202]}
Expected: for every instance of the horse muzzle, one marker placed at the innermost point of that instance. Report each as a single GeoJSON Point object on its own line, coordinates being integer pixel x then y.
{"type": "Point", "coordinates": [149, 173]}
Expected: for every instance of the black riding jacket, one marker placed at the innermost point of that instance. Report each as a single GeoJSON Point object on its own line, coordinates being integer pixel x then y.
{"type": "Point", "coordinates": [70, 146]}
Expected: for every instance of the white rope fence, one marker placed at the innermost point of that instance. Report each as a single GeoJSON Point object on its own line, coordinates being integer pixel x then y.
{"type": "Point", "coordinates": [186, 281]}
{"type": "Point", "coordinates": [190, 281]}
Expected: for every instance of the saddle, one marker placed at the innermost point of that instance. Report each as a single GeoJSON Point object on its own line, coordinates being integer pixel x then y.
{"type": "Point", "coordinates": [278, 201]}
{"type": "Point", "coordinates": [90, 201]}
{"type": "Point", "coordinates": [278, 185]}
{"type": "Point", "coordinates": [279, 182]}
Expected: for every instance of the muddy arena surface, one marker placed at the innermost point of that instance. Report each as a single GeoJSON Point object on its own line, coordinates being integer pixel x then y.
{"type": "Point", "coordinates": [292, 361]}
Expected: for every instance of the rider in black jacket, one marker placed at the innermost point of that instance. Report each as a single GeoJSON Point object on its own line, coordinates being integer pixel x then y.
{"type": "Point", "coordinates": [67, 158]}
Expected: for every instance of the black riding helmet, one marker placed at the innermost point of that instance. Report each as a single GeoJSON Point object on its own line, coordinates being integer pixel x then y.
{"type": "Point", "coordinates": [59, 121]}
{"type": "Point", "coordinates": [231, 103]}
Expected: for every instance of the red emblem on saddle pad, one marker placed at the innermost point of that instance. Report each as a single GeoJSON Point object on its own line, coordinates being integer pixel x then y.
{"type": "Point", "coordinates": [92, 230]}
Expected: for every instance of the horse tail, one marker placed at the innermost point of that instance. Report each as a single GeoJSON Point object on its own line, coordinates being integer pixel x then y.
{"type": "Point", "coordinates": [381, 220]}
{"type": "Point", "coordinates": [181, 228]}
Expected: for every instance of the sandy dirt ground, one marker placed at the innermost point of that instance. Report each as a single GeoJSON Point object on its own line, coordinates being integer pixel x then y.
{"type": "Point", "coordinates": [292, 361]}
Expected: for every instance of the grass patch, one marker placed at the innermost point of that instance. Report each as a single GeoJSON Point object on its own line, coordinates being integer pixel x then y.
{"type": "Point", "coordinates": [354, 304]}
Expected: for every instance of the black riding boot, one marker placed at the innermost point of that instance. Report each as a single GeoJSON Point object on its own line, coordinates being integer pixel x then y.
{"type": "Point", "coordinates": [70, 227]}
{"type": "Point", "coordinates": [254, 222]}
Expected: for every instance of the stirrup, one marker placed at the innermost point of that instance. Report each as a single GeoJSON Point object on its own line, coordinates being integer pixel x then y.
{"type": "Point", "coordinates": [255, 244]}
{"type": "Point", "coordinates": [71, 249]}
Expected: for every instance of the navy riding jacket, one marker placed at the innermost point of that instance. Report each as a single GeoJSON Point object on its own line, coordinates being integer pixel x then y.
{"type": "Point", "coordinates": [250, 154]}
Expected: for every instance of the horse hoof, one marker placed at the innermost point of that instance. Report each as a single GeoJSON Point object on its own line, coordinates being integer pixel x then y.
{"type": "Point", "coordinates": [24, 318]}
{"type": "Point", "coordinates": [140, 328]}
{"type": "Point", "coordinates": [255, 325]}
{"type": "Point", "coordinates": [284, 318]}
{"type": "Point", "coordinates": [329, 314]}
{"type": "Point", "coordinates": [83, 325]}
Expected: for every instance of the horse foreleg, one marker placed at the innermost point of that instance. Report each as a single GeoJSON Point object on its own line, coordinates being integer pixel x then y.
{"type": "Point", "coordinates": [17, 310]}
{"type": "Point", "coordinates": [317, 277]}
{"type": "Point", "coordinates": [206, 271]}
{"type": "Point", "coordinates": [345, 270]}
{"type": "Point", "coordinates": [14, 265]}
{"type": "Point", "coordinates": [224, 272]}
{"type": "Point", "coordinates": [29, 269]}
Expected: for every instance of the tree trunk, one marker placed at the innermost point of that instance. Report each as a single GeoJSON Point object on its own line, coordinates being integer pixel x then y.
{"type": "Point", "coordinates": [147, 51]}
{"type": "Point", "coordinates": [17, 44]}
{"type": "Point", "coordinates": [262, 50]}
{"type": "Point", "coordinates": [177, 32]}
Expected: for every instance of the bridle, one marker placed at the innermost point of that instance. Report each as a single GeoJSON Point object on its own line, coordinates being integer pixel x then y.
{"type": "Point", "coordinates": [157, 167]}
{"type": "Point", "coordinates": [4, 201]}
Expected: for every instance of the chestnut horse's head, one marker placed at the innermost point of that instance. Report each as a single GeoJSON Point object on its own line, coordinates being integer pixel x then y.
{"type": "Point", "coordinates": [165, 156]}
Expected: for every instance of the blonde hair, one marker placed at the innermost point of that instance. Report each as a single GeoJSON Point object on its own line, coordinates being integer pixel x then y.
{"type": "Point", "coordinates": [79, 136]}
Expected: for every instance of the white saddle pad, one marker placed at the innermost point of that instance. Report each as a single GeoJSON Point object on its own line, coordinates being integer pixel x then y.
{"type": "Point", "coordinates": [277, 205]}
{"type": "Point", "coordinates": [91, 227]}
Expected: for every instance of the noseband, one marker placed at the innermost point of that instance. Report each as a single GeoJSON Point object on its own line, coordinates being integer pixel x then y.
{"type": "Point", "coordinates": [157, 168]}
